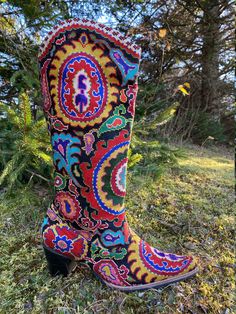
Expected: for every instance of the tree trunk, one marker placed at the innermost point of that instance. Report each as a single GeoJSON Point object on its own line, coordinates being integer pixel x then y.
{"type": "Point", "coordinates": [210, 56]}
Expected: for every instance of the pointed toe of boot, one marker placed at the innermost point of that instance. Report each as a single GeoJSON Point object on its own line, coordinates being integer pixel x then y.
{"type": "Point", "coordinates": [144, 267]}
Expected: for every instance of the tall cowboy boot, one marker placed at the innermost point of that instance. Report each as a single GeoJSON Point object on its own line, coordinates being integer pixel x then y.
{"type": "Point", "coordinates": [89, 83]}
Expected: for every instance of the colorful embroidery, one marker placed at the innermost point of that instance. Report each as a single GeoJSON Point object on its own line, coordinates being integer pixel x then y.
{"type": "Point", "coordinates": [103, 180]}
{"type": "Point", "coordinates": [110, 272]}
{"type": "Point", "coordinates": [66, 151]}
{"type": "Point", "coordinates": [59, 126]}
{"type": "Point", "coordinates": [115, 253]}
{"type": "Point", "coordinates": [150, 264]}
{"type": "Point", "coordinates": [132, 91]}
{"type": "Point", "coordinates": [88, 26]}
{"type": "Point", "coordinates": [72, 188]}
{"type": "Point", "coordinates": [111, 238]}
{"type": "Point", "coordinates": [68, 206]}
{"type": "Point", "coordinates": [83, 91]}
{"type": "Point", "coordinates": [59, 181]}
{"type": "Point", "coordinates": [89, 86]}
{"type": "Point", "coordinates": [127, 68]}
{"type": "Point", "coordinates": [115, 122]}
{"type": "Point", "coordinates": [44, 85]}
{"type": "Point", "coordinates": [65, 240]}
{"type": "Point", "coordinates": [89, 141]}
{"type": "Point", "coordinates": [118, 178]}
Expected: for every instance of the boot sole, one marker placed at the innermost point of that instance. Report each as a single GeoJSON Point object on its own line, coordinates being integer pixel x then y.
{"type": "Point", "coordinates": [154, 285]}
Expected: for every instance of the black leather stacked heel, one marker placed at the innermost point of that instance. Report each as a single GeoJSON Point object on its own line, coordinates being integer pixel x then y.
{"type": "Point", "coordinates": [58, 264]}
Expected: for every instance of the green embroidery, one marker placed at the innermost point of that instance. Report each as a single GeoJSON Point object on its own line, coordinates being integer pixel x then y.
{"type": "Point", "coordinates": [115, 122]}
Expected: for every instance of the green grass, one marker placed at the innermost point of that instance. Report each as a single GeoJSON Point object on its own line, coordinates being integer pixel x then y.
{"type": "Point", "coordinates": [190, 210]}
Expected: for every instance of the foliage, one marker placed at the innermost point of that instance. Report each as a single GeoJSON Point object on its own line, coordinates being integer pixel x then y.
{"type": "Point", "coordinates": [207, 126]}
{"type": "Point", "coordinates": [24, 144]}
{"type": "Point", "coordinates": [188, 41]}
{"type": "Point", "coordinates": [161, 157]}
{"type": "Point", "coordinates": [191, 211]}
{"type": "Point", "coordinates": [148, 100]}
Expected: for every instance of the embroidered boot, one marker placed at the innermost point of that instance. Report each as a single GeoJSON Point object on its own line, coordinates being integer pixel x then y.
{"type": "Point", "coordinates": [89, 84]}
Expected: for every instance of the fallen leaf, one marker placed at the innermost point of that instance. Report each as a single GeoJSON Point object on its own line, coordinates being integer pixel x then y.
{"type": "Point", "coordinates": [162, 32]}
{"type": "Point", "coordinates": [183, 90]}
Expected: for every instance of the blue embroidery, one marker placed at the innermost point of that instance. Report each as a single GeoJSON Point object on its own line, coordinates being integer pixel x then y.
{"type": "Point", "coordinates": [110, 238]}
{"type": "Point", "coordinates": [99, 95]}
{"type": "Point", "coordinates": [45, 222]}
{"type": "Point", "coordinates": [165, 264]}
{"type": "Point", "coordinates": [63, 244]}
{"type": "Point", "coordinates": [65, 149]}
{"type": "Point", "coordinates": [128, 69]}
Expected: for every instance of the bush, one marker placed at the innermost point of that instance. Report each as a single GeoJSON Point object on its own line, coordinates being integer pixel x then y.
{"type": "Point", "coordinates": [207, 127]}
{"type": "Point", "coordinates": [24, 144]}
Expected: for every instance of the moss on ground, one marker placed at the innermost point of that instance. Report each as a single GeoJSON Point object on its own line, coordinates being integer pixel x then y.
{"type": "Point", "coordinates": [190, 210]}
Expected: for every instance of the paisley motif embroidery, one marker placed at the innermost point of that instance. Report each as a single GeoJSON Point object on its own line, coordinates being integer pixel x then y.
{"type": "Point", "coordinates": [66, 151]}
{"type": "Point", "coordinates": [110, 272]}
{"type": "Point", "coordinates": [127, 68]}
{"type": "Point", "coordinates": [68, 206]}
{"type": "Point", "coordinates": [59, 126]}
{"type": "Point", "coordinates": [59, 181]}
{"type": "Point", "coordinates": [89, 141]}
{"type": "Point", "coordinates": [116, 122]}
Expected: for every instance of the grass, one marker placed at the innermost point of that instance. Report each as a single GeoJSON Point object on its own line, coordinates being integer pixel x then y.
{"type": "Point", "coordinates": [190, 210]}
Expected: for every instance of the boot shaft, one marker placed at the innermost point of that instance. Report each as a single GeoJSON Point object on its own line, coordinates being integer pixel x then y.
{"type": "Point", "coordinates": [89, 84]}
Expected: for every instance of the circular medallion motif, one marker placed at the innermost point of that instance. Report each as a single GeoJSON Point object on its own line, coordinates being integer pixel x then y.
{"type": "Point", "coordinates": [62, 244]}
{"type": "Point", "coordinates": [66, 240]}
{"type": "Point", "coordinates": [109, 179]}
{"type": "Point", "coordinates": [83, 87]}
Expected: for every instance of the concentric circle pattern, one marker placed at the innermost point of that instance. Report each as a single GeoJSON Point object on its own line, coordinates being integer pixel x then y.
{"type": "Point", "coordinates": [84, 86]}
{"type": "Point", "coordinates": [109, 179]}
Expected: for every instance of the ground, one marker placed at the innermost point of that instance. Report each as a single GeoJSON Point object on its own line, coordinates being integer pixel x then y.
{"type": "Point", "coordinates": [190, 210]}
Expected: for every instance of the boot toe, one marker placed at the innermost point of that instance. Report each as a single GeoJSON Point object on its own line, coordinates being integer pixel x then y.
{"type": "Point", "coordinates": [155, 268]}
